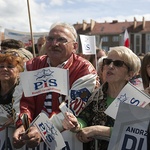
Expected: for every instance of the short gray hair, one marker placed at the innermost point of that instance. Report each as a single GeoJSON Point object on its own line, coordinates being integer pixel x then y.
{"type": "Point", "coordinates": [128, 56]}
{"type": "Point", "coordinates": [66, 25]}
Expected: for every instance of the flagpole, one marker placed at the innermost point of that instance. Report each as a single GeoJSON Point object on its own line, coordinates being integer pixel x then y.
{"type": "Point", "coordinates": [33, 47]}
{"type": "Point", "coordinates": [96, 62]}
{"type": "Point", "coordinates": [0, 37]}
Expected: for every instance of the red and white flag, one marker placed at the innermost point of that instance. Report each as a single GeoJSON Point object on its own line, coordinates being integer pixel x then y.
{"type": "Point", "coordinates": [126, 39]}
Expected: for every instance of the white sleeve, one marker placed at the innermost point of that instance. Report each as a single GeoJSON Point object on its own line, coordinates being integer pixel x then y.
{"type": "Point", "coordinates": [80, 92]}
{"type": "Point", "coordinates": [17, 95]}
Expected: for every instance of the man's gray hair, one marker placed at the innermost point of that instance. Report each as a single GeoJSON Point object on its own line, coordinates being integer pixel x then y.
{"type": "Point", "coordinates": [68, 26]}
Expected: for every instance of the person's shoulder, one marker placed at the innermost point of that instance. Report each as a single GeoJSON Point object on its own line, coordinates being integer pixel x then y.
{"type": "Point", "coordinates": [38, 58]}
{"type": "Point", "coordinates": [81, 59]}
{"type": "Point", "coordinates": [83, 65]}
{"type": "Point", "coordinates": [37, 62]}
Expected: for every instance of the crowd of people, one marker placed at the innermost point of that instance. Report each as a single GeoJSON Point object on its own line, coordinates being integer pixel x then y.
{"type": "Point", "coordinates": [94, 83]}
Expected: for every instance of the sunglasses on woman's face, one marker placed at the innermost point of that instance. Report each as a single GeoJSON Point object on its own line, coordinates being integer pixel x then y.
{"type": "Point", "coordinates": [117, 63]}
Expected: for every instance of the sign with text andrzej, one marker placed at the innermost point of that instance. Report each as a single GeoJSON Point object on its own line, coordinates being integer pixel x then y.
{"type": "Point", "coordinates": [130, 129]}
{"type": "Point", "coordinates": [45, 80]}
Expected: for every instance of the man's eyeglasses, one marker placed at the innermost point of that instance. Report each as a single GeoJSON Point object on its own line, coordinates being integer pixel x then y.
{"type": "Point", "coordinates": [117, 63]}
{"type": "Point", "coordinates": [61, 40]}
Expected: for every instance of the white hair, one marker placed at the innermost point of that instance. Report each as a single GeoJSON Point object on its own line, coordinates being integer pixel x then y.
{"type": "Point", "coordinates": [66, 25]}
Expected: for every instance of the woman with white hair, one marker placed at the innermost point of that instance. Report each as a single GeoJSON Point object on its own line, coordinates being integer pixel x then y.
{"type": "Point", "coordinates": [120, 65]}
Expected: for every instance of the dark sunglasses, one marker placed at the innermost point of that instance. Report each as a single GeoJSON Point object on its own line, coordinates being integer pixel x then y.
{"type": "Point", "coordinates": [117, 63]}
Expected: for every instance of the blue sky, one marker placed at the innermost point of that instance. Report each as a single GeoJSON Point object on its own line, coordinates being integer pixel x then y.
{"type": "Point", "coordinates": [14, 13]}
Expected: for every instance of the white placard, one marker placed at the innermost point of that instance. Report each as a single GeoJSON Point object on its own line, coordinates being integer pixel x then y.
{"type": "Point", "coordinates": [88, 44]}
{"type": "Point", "coordinates": [71, 141]}
{"type": "Point", "coordinates": [25, 37]}
{"type": "Point", "coordinates": [130, 128]}
{"type": "Point", "coordinates": [49, 133]}
{"type": "Point", "coordinates": [131, 95]}
{"type": "Point", "coordinates": [45, 80]}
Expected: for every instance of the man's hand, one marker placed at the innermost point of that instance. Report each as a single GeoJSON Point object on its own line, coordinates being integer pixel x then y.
{"type": "Point", "coordinates": [17, 141]}
{"type": "Point", "coordinates": [31, 139]}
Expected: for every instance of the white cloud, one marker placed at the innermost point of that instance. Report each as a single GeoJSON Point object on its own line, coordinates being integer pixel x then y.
{"type": "Point", "coordinates": [56, 2]}
{"type": "Point", "coordinates": [14, 14]}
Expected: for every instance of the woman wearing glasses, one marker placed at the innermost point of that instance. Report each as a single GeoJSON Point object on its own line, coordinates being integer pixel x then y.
{"type": "Point", "coordinates": [10, 67]}
{"type": "Point", "coordinates": [120, 65]}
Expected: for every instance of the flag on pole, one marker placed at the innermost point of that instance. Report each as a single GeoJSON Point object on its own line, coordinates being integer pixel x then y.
{"type": "Point", "coordinates": [0, 36]}
{"type": "Point", "coordinates": [88, 44]}
{"type": "Point", "coordinates": [126, 39]}
{"type": "Point", "coordinates": [45, 80]}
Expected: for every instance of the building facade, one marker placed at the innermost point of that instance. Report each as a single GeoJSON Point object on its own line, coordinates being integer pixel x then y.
{"type": "Point", "coordinates": [109, 34]}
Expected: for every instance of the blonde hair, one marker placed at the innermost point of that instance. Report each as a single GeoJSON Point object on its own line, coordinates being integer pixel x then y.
{"type": "Point", "coordinates": [128, 56]}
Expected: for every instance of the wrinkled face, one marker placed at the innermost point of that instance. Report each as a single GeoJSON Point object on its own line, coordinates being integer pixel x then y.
{"type": "Point", "coordinates": [60, 45]}
{"type": "Point", "coordinates": [8, 72]}
{"type": "Point", "coordinates": [115, 72]}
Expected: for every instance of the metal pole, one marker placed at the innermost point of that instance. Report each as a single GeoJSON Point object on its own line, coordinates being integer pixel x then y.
{"type": "Point", "coordinates": [96, 62]}
{"type": "Point", "coordinates": [96, 144]}
{"type": "Point", "coordinates": [33, 47]}
{"type": "Point", "coordinates": [0, 37]}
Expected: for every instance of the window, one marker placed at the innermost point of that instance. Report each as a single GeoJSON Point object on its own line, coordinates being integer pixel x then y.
{"type": "Point", "coordinates": [115, 38]}
{"type": "Point", "coordinates": [97, 37]}
{"type": "Point", "coordinates": [147, 43]}
{"type": "Point", "coordinates": [137, 42]}
{"type": "Point", "coordinates": [148, 48]}
{"type": "Point", "coordinates": [148, 37]}
{"type": "Point", "coordinates": [106, 48]}
{"type": "Point", "coordinates": [105, 38]}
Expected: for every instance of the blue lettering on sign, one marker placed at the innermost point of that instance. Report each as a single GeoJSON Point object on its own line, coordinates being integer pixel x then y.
{"type": "Point", "coordinates": [66, 147]}
{"type": "Point", "coordinates": [134, 101]}
{"type": "Point", "coordinates": [49, 131]}
{"type": "Point", "coordinates": [137, 131]}
{"type": "Point", "coordinates": [45, 83]}
{"type": "Point", "coordinates": [9, 146]}
{"type": "Point", "coordinates": [87, 46]}
{"type": "Point", "coordinates": [42, 127]}
{"type": "Point", "coordinates": [52, 82]}
{"type": "Point", "coordinates": [38, 85]}
{"type": "Point", "coordinates": [135, 143]}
